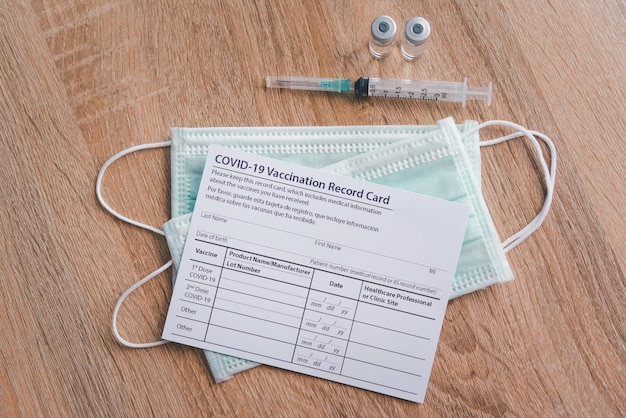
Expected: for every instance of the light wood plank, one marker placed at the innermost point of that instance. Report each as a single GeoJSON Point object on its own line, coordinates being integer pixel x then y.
{"type": "Point", "coordinates": [81, 80]}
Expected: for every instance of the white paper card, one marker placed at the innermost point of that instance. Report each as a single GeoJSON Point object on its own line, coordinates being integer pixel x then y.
{"type": "Point", "coordinates": [317, 273]}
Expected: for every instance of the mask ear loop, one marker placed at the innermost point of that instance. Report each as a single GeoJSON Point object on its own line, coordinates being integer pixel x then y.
{"type": "Point", "coordinates": [548, 173]}
{"type": "Point", "coordinates": [106, 165]}
{"type": "Point", "coordinates": [142, 225]}
{"type": "Point", "coordinates": [118, 305]}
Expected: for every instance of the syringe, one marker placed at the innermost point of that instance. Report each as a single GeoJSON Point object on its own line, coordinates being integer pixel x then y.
{"type": "Point", "coordinates": [444, 91]}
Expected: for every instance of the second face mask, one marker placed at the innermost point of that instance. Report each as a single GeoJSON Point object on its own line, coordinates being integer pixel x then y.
{"type": "Point", "coordinates": [438, 165]}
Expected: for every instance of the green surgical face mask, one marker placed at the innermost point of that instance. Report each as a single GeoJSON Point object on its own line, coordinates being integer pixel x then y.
{"type": "Point", "coordinates": [441, 161]}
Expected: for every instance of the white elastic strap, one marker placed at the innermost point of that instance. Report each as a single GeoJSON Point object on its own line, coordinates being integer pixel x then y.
{"type": "Point", "coordinates": [525, 232]}
{"type": "Point", "coordinates": [121, 300]}
{"type": "Point", "coordinates": [123, 218]}
{"type": "Point", "coordinates": [548, 173]}
{"type": "Point", "coordinates": [106, 165]}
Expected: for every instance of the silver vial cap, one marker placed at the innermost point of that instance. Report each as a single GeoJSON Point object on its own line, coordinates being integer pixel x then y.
{"type": "Point", "coordinates": [417, 30]}
{"type": "Point", "coordinates": [383, 30]}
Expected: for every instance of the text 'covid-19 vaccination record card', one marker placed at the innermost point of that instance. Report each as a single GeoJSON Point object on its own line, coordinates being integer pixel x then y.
{"type": "Point", "coordinates": [317, 273]}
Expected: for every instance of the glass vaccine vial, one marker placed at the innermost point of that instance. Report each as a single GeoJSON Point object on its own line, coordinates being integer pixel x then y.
{"type": "Point", "coordinates": [416, 34]}
{"type": "Point", "coordinates": [382, 37]}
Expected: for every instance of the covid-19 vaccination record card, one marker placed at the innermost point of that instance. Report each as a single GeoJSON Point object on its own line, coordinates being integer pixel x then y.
{"type": "Point", "coordinates": [316, 273]}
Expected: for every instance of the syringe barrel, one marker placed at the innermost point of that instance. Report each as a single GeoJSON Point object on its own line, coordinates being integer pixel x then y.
{"type": "Point", "coordinates": [445, 91]}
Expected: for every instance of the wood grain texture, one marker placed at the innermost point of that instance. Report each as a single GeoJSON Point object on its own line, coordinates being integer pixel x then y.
{"type": "Point", "coordinates": [81, 80]}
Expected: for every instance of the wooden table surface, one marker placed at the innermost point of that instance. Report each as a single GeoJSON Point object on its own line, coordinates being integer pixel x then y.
{"type": "Point", "coordinates": [83, 79]}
